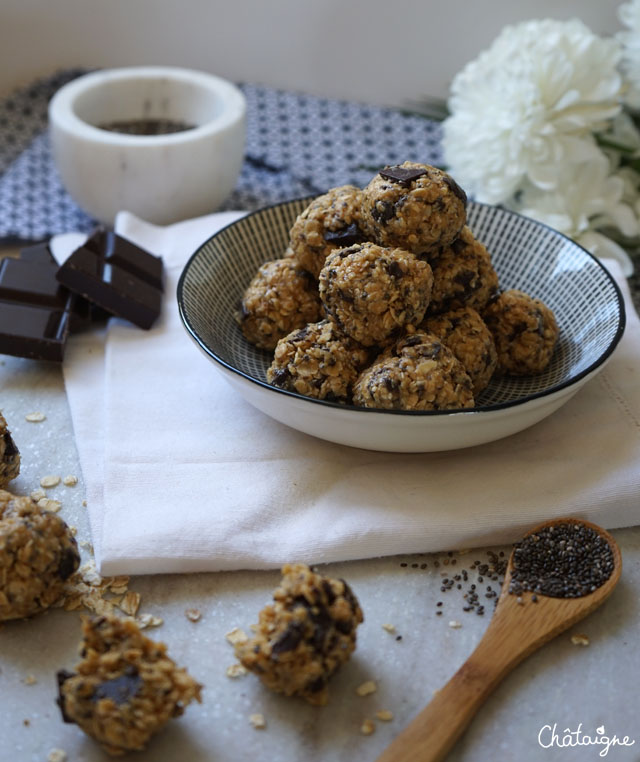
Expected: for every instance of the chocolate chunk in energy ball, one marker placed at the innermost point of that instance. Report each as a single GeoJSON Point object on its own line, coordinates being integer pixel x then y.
{"type": "Point", "coordinates": [304, 636]}
{"type": "Point", "coordinates": [9, 455]}
{"type": "Point", "coordinates": [125, 689]}
{"type": "Point", "coordinates": [38, 554]}
{"type": "Point", "coordinates": [565, 560]}
{"type": "Point", "coordinates": [118, 276]}
{"type": "Point", "coordinates": [402, 175]}
{"type": "Point", "coordinates": [344, 236]}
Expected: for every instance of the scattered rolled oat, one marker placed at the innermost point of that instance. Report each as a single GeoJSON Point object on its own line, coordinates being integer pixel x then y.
{"type": "Point", "coordinates": [57, 755]}
{"type": "Point", "coordinates": [258, 721]}
{"type": "Point", "coordinates": [237, 636]}
{"type": "Point", "coordinates": [580, 640]}
{"type": "Point", "coordinates": [385, 715]}
{"type": "Point", "coordinates": [48, 504]}
{"type": "Point", "coordinates": [84, 503]}
{"type": "Point", "coordinates": [368, 727]}
{"type": "Point", "coordinates": [193, 615]}
{"type": "Point", "coordinates": [389, 627]}
{"type": "Point", "coordinates": [35, 417]}
{"type": "Point", "coordinates": [37, 494]}
{"type": "Point", "coordinates": [130, 603]}
{"type": "Point", "coordinates": [70, 480]}
{"type": "Point", "coordinates": [49, 481]}
{"type": "Point", "coordinates": [30, 680]}
{"type": "Point", "coordinates": [455, 625]}
{"type": "Point", "coordinates": [367, 688]}
{"type": "Point", "coordinates": [148, 620]}
{"type": "Point", "coordinates": [236, 670]}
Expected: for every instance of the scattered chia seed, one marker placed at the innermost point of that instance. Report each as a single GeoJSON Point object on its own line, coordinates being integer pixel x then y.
{"type": "Point", "coordinates": [561, 561]}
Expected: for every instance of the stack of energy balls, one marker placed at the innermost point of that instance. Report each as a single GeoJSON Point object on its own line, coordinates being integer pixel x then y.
{"type": "Point", "coordinates": [384, 299]}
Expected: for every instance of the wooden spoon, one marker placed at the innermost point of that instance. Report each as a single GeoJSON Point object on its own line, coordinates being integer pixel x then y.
{"type": "Point", "coordinates": [515, 631]}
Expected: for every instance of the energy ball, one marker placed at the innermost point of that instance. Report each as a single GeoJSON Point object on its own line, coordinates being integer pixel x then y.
{"type": "Point", "coordinates": [304, 636]}
{"type": "Point", "coordinates": [418, 373]}
{"type": "Point", "coordinates": [414, 206]}
{"type": "Point", "coordinates": [462, 275]}
{"type": "Point", "coordinates": [333, 220]}
{"type": "Point", "coordinates": [371, 292]}
{"type": "Point", "coordinates": [9, 455]}
{"type": "Point", "coordinates": [38, 554]}
{"type": "Point", "coordinates": [524, 330]}
{"type": "Point", "coordinates": [467, 336]}
{"type": "Point", "coordinates": [126, 688]}
{"type": "Point", "coordinates": [317, 361]}
{"type": "Point", "coordinates": [280, 298]}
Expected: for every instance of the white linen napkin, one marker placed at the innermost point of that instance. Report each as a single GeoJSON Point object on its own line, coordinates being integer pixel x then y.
{"type": "Point", "coordinates": [183, 475]}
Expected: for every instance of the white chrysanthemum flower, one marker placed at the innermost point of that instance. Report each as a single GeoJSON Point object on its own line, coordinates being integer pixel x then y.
{"type": "Point", "coordinates": [588, 199]}
{"type": "Point", "coordinates": [629, 15]}
{"type": "Point", "coordinates": [529, 105]}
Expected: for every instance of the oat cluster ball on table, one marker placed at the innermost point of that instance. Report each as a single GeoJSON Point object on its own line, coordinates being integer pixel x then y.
{"type": "Point", "coordinates": [125, 688]}
{"type": "Point", "coordinates": [304, 636]}
{"type": "Point", "coordinates": [38, 554]}
{"type": "Point", "coordinates": [410, 315]}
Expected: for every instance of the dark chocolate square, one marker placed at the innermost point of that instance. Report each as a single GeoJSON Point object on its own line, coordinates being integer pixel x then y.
{"type": "Point", "coordinates": [402, 175]}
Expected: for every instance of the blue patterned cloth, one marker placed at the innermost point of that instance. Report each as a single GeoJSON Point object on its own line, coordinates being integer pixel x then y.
{"type": "Point", "coordinates": [297, 145]}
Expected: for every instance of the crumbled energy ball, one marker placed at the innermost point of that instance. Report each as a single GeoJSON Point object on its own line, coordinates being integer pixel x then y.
{"type": "Point", "coordinates": [125, 688]}
{"type": "Point", "coordinates": [371, 292]}
{"type": "Point", "coordinates": [304, 636]}
{"type": "Point", "coordinates": [38, 553]}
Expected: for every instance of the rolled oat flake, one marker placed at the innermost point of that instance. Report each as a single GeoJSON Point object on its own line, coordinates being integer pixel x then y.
{"type": "Point", "coordinates": [566, 560]}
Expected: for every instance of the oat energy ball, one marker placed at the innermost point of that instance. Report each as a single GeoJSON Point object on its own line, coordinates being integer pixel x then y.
{"type": "Point", "coordinates": [414, 206]}
{"type": "Point", "coordinates": [462, 275]}
{"type": "Point", "coordinates": [281, 297]}
{"type": "Point", "coordinates": [38, 554]}
{"type": "Point", "coordinates": [9, 455]}
{"type": "Point", "coordinates": [524, 330]}
{"type": "Point", "coordinates": [304, 636]}
{"type": "Point", "coordinates": [371, 292]}
{"type": "Point", "coordinates": [467, 336]}
{"type": "Point", "coordinates": [317, 361]}
{"type": "Point", "coordinates": [125, 688]}
{"type": "Point", "coordinates": [418, 373]}
{"type": "Point", "coordinates": [331, 221]}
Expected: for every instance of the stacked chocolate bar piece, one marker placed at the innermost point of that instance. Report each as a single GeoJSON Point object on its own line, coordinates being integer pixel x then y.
{"type": "Point", "coordinates": [42, 302]}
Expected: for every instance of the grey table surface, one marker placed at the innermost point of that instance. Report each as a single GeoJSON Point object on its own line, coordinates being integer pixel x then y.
{"type": "Point", "coordinates": [563, 685]}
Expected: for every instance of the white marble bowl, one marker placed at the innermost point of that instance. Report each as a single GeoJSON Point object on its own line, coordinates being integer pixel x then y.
{"type": "Point", "coordinates": [526, 254]}
{"type": "Point", "coordinates": [162, 178]}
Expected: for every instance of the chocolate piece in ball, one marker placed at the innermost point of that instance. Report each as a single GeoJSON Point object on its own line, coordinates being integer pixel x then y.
{"type": "Point", "coordinates": [9, 455]}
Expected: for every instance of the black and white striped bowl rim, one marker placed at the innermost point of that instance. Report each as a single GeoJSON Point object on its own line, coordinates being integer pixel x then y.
{"type": "Point", "coordinates": [526, 254]}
